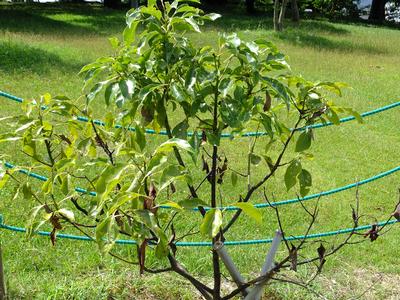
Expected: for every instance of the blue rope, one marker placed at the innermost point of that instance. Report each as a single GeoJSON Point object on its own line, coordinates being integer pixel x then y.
{"type": "Point", "coordinates": [207, 244]}
{"type": "Point", "coordinates": [326, 193]}
{"type": "Point", "coordinates": [44, 178]}
{"type": "Point", "coordinates": [11, 97]}
{"type": "Point", "coordinates": [259, 205]}
{"type": "Point", "coordinates": [229, 135]}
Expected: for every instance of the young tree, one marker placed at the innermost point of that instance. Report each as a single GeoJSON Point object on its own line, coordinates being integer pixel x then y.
{"type": "Point", "coordinates": [157, 79]}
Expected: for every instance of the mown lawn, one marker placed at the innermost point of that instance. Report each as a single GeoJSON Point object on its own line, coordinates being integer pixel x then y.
{"type": "Point", "coordinates": [42, 49]}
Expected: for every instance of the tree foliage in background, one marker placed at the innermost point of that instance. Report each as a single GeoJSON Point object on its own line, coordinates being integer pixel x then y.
{"type": "Point", "coordinates": [157, 79]}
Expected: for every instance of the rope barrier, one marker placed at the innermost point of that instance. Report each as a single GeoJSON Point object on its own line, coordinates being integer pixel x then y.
{"type": "Point", "coordinates": [260, 205]}
{"type": "Point", "coordinates": [207, 244]}
{"type": "Point", "coordinates": [232, 208]}
{"type": "Point", "coordinates": [228, 135]}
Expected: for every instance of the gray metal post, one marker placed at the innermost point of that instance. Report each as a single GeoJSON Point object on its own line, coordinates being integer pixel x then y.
{"type": "Point", "coordinates": [229, 264]}
{"type": "Point", "coordinates": [3, 294]}
{"type": "Point", "coordinates": [256, 292]}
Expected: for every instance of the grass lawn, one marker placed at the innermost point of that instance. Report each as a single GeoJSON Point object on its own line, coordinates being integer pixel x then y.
{"type": "Point", "coordinates": [42, 49]}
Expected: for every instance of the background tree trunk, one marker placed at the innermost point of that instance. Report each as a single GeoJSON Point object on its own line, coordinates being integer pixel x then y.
{"type": "Point", "coordinates": [377, 12]}
{"type": "Point", "coordinates": [276, 15]}
{"type": "Point", "coordinates": [295, 11]}
{"type": "Point", "coordinates": [250, 8]}
{"type": "Point", "coordinates": [134, 3]}
{"type": "Point", "coordinates": [282, 15]}
{"type": "Point", "coordinates": [112, 3]}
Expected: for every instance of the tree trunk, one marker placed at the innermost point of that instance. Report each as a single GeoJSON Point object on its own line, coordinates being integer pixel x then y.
{"type": "Point", "coordinates": [250, 8]}
{"type": "Point", "coordinates": [112, 3]}
{"type": "Point", "coordinates": [295, 11]}
{"type": "Point", "coordinates": [134, 3]}
{"type": "Point", "coordinates": [276, 15]}
{"type": "Point", "coordinates": [377, 12]}
{"type": "Point", "coordinates": [282, 15]}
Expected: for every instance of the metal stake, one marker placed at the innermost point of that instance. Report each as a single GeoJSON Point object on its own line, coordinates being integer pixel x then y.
{"type": "Point", "coordinates": [230, 265]}
{"type": "Point", "coordinates": [256, 292]}
{"type": "Point", "coordinates": [3, 294]}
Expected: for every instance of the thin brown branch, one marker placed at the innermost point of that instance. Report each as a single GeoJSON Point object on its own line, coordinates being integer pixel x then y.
{"type": "Point", "coordinates": [266, 177]}
{"type": "Point", "coordinates": [178, 268]}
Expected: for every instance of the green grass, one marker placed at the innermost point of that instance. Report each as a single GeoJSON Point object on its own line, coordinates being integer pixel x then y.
{"type": "Point", "coordinates": [43, 47]}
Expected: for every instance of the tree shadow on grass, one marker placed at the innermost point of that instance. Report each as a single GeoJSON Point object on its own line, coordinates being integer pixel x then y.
{"type": "Point", "coordinates": [312, 40]}
{"type": "Point", "coordinates": [315, 34]}
{"type": "Point", "coordinates": [16, 57]}
{"type": "Point", "coordinates": [235, 22]}
{"type": "Point", "coordinates": [60, 19]}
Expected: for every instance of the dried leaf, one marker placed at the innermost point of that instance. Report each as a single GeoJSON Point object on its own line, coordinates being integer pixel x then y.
{"type": "Point", "coordinates": [142, 256]}
{"type": "Point", "coordinates": [321, 252]}
{"type": "Point", "coordinates": [53, 236]}
{"type": "Point", "coordinates": [373, 233]}
{"type": "Point", "coordinates": [293, 258]}
{"type": "Point", "coordinates": [203, 138]}
{"type": "Point", "coordinates": [267, 103]}
{"type": "Point", "coordinates": [172, 187]}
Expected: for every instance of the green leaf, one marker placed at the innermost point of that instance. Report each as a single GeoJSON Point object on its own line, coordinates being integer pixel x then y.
{"type": "Point", "coordinates": [234, 178]}
{"type": "Point", "coordinates": [93, 92]}
{"type": "Point", "coordinates": [114, 42]}
{"type": "Point", "coordinates": [65, 184]}
{"type": "Point", "coordinates": [213, 16]}
{"type": "Point", "coordinates": [305, 181]}
{"type": "Point", "coordinates": [62, 164]}
{"type": "Point", "coordinates": [292, 171]}
{"type": "Point", "coordinates": [172, 205]}
{"type": "Point", "coordinates": [212, 222]}
{"type": "Point", "coordinates": [255, 159]}
{"type": "Point", "coordinates": [3, 179]}
{"type": "Point", "coordinates": [47, 187]}
{"type": "Point", "coordinates": [162, 245]}
{"type": "Point", "coordinates": [224, 86]}
{"type": "Point", "coordinates": [27, 191]}
{"type": "Point", "coordinates": [9, 138]}
{"type": "Point", "coordinates": [124, 198]}
{"type": "Point", "coordinates": [180, 130]}
{"type": "Point", "coordinates": [356, 115]}
{"type": "Point", "coordinates": [193, 24]}
{"type": "Point", "coordinates": [332, 116]}
{"type": "Point", "coordinates": [169, 145]}
{"type": "Point", "coordinates": [192, 203]}
{"type": "Point", "coordinates": [102, 228]}
{"type": "Point", "coordinates": [304, 141]}
{"type": "Point", "coordinates": [178, 93]}
{"type": "Point", "coordinates": [171, 174]}
{"type": "Point", "coordinates": [26, 126]}
{"type": "Point", "coordinates": [108, 180]}
{"type": "Point", "coordinates": [151, 10]}
{"type": "Point", "coordinates": [110, 93]}
{"type": "Point", "coordinates": [127, 88]}
{"type": "Point", "coordinates": [250, 210]}
{"type": "Point", "coordinates": [155, 162]}
{"type": "Point", "coordinates": [140, 137]}
{"type": "Point", "coordinates": [129, 33]}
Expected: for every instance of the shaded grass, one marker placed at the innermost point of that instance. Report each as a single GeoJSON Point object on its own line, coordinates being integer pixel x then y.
{"type": "Point", "coordinates": [43, 47]}
{"type": "Point", "coordinates": [18, 57]}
